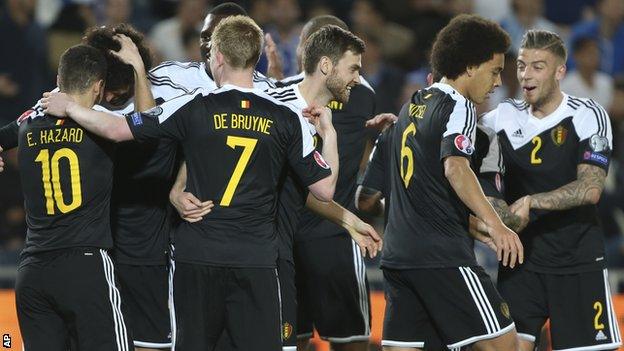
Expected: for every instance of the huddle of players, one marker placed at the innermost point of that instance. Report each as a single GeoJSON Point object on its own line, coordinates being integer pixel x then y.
{"type": "Point", "coordinates": [457, 307]}
{"type": "Point", "coordinates": [236, 247]}
{"type": "Point", "coordinates": [550, 151]}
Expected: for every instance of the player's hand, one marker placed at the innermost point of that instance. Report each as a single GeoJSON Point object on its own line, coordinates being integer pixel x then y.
{"type": "Point", "coordinates": [190, 208]}
{"type": "Point", "coordinates": [366, 238]}
{"type": "Point", "coordinates": [56, 104]}
{"type": "Point", "coordinates": [128, 53]}
{"type": "Point", "coordinates": [274, 68]}
{"type": "Point", "coordinates": [509, 249]}
{"type": "Point", "coordinates": [321, 117]}
{"type": "Point", "coordinates": [381, 121]}
{"type": "Point", "coordinates": [478, 231]}
{"type": "Point", "coordinates": [522, 208]}
{"type": "Point", "coordinates": [1, 162]}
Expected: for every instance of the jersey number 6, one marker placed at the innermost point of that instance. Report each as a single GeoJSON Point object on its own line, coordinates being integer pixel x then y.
{"type": "Point", "coordinates": [406, 152]}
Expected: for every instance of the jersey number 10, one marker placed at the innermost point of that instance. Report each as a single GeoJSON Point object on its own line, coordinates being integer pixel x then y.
{"type": "Point", "coordinates": [52, 182]}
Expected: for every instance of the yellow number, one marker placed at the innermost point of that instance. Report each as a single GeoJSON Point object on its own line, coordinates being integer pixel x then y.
{"type": "Point", "coordinates": [248, 145]}
{"type": "Point", "coordinates": [406, 152]}
{"type": "Point", "coordinates": [52, 184]}
{"type": "Point", "coordinates": [598, 308]}
{"type": "Point", "coordinates": [537, 141]}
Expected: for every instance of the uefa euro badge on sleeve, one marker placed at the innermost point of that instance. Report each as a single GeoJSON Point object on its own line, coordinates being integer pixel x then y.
{"type": "Point", "coordinates": [598, 143]}
{"type": "Point", "coordinates": [463, 144]}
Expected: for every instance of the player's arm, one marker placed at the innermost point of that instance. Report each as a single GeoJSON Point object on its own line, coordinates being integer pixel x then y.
{"type": "Point", "coordinates": [368, 196]}
{"type": "Point", "coordinates": [364, 235]}
{"type": "Point", "coordinates": [321, 117]}
{"type": "Point", "coordinates": [585, 190]}
{"type": "Point", "coordinates": [511, 220]}
{"type": "Point", "coordinates": [129, 54]}
{"type": "Point", "coordinates": [465, 184]}
{"type": "Point", "coordinates": [9, 135]}
{"type": "Point", "coordinates": [369, 201]}
{"type": "Point", "coordinates": [100, 123]}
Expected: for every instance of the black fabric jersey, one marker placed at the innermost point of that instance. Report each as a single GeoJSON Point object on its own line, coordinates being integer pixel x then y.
{"type": "Point", "coordinates": [349, 121]}
{"type": "Point", "coordinates": [66, 176]}
{"type": "Point", "coordinates": [542, 155]}
{"type": "Point", "coordinates": [427, 222]}
{"type": "Point", "coordinates": [236, 143]}
{"type": "Point", "coordinates": [376, 175]}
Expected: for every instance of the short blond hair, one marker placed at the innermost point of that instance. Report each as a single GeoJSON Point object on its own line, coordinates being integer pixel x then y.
{"type": "Point", "coordinates": [240, 40]}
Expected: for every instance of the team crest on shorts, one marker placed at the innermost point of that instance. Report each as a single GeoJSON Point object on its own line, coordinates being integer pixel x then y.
{"type": "Point", "coordinates": [504, 307]}
{"type": "Point", "coordinates": [559, 135]}
{"type": "Point", "coordinates": [463, 144]}
{"type": "Point", "coordinates": [287, 330]}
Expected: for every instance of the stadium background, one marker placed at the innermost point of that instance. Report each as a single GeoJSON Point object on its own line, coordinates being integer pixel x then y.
{"type": "Point", "coordinates": [398, 34]}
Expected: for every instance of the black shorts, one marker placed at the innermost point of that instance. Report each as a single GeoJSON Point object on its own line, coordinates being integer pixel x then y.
{"type": "Point", "coordinates": [332, 290]}
{"type": "Point", "coordinates": [67, 299]}
{"type": "Point", "coordinates": [455, 307]}
{"type": "Point", "coordinates": [145, 292]}
{"type": "Point", "coordinates": [579, 306]}
{"type": "Point", "coordinates": [288, 293]}
{"type": "Point", "coordinates": [212, 304]}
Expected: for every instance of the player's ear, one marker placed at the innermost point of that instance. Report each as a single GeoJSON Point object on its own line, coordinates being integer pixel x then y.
{"type": "Point", "coordinates": [325, 65]}
{"type": "Point", "coordinates": [471, 70]}
{"type": "Point", "coordinates": [561, 71]}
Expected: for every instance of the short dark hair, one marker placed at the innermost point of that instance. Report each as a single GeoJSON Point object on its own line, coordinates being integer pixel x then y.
{"type": "Point", "coordinates": [331, 41]}
{"type": "Point", "coordinates": [318, 22]}
{"type": "Point", "coordinates": [468, 40]}
{"type": "Point", "coordinates": [79, 67]}
{"type": "Point", "coordinates": [228, 9]}
{"type": "Point", "coordinates": [120, 75]}
{"type": "Point", "coordinates": [545, 40]}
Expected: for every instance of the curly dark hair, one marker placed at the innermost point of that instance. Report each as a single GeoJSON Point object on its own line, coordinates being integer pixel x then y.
{"type": "Point", "coordinates": [468, 40]}
{"type": "Point", "coordinates": [120, 76]}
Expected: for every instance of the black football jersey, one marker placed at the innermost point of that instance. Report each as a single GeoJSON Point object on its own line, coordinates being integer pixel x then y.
{"type": "Point", "coordinates": [293, 194]}
{"type": "Point", "coordinates": [66, 175]}
{"type": "Point", "coordinates": [349, 121]}
{"type": "Point", "coordinates": [236, 143]}
{"type": "Point", "coordinates": [541, 155]}
{"type": "Point", "coordinates": [427, 222]}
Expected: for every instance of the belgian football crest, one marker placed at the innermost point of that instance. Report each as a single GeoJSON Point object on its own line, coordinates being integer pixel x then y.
{"type": "Point", "coordinates": [559, 135]}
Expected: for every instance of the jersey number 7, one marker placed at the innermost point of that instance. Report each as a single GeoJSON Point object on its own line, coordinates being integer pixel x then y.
{"type": "Point", "coordinates": [248, 145]}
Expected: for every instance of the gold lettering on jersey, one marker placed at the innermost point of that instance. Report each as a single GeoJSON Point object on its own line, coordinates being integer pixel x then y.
{"type": "Point", "coordinates": [253, 123]}
{"type": "Point", "coordinates": [29, 139]}
{"type": "Point", "coordinates": [220, 121]}
{"type": "Point", "coordinates": [59, 135]}
{"type": "Point", "coordinates": [559, 135]}
{"type": "Point", "coordinates": [335, 105]}
{"type": "Point", "coordinates": [417, 111]}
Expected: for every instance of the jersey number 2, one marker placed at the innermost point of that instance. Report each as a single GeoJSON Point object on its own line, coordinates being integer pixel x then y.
{"type": "Point", "coordinates": [248, 145]}
{"type": "Point", "coordinates": [537, 141]}
{"type": "Point", "coordinates": [52, 182]}
{"type": "Point", "coordinates": [407, 170]}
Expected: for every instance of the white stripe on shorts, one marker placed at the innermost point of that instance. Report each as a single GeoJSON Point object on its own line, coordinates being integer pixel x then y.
{"type": "Point", "coordinates": [121, 334]}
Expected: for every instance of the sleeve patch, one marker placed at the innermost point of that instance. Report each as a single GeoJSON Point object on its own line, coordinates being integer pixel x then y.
{"type": "Point", "coordinates": [463, 144]}
{"type": "Point", "coordinates": [598, 143]}
{"type": "Point", "coordinates": [154, 112]}
{"type": "Point", "coordinates": [320, 160]}
{"type": "Point", "coordinates": [137, 120]}
{"type": "Point", "coordinates": [595, 157]}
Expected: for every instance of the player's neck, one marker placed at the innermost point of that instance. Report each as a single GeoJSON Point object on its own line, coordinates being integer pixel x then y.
{"type": "Point", "coordinates": [314, 91]}
{"type": "Point", "coordinates": [85, 100]}
{"type": "Point", "coordinates": [242, 78]}
{"type": "Point", "coordinates": [549, 106]}
{"type": "Point", "coordinates": [459, 85]}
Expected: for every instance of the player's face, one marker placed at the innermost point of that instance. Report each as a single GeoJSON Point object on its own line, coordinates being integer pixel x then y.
{"type": "Point", "coordinates": [117, 98]}
{"type": "Point", "coordinates": [210, 23]}
{"type": "Point", "coordinates": [539, 72]}
{"type": "Point", "coordinates": [344, 76]}
{"type": "Point", "coordinates": [485, 78]}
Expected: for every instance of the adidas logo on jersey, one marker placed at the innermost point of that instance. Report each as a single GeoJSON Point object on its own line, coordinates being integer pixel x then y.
{"type": "Point", "coordinates": [600, 336]}
{"type": "Point", "coordinates": [517, 134]}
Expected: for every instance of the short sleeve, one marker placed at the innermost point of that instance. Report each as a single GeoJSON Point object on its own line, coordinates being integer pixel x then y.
{"type": "Point", "coordinates": [9, 136]}
{"type": "Point", "coordinates": [307, 163]}
{"type": "Point", "coordinates": [171, 120]}
{"type": "Point", "coordinates": [375, 174]}
{"type": "Point", "coordinates": [459, 131]}
{"type": "Point", "coordinates": [595, 136]}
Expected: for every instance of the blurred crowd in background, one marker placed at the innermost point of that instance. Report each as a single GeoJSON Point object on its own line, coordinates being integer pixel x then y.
{"type": "Point", "coordinates": [398, 35]}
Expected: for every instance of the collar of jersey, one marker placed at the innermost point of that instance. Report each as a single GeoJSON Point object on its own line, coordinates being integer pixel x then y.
{"type": "Point", "coordinates": [445, 88]}
{"type": "Point", "coordinates": [553, 115]}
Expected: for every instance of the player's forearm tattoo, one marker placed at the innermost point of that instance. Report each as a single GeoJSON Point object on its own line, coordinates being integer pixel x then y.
{"type": "Point", "coordinates": [583, 191]}
{"type": "Point", "coordinates": [509, 218]}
